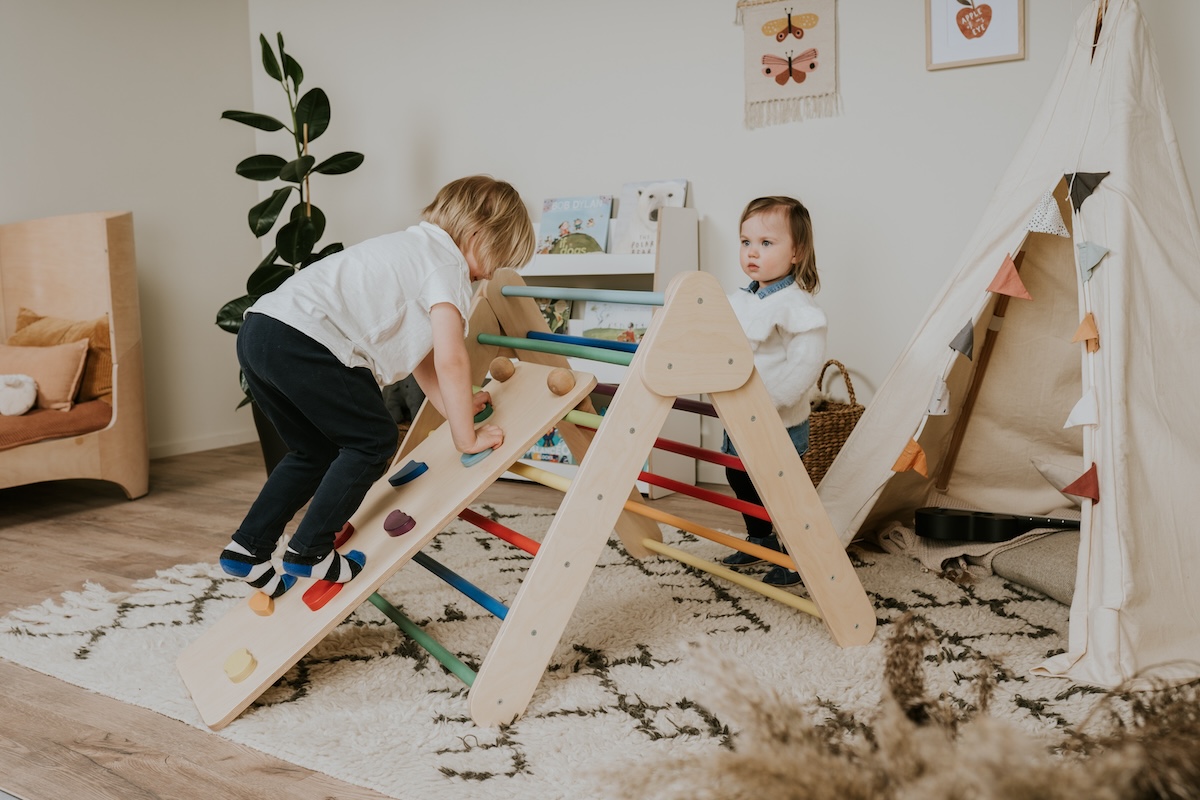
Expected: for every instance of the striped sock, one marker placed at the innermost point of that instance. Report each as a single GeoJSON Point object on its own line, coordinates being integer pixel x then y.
{"type": "Point", "coordinates": [333, 566]}
{"type": "Point", "coordinates": [254, 570]}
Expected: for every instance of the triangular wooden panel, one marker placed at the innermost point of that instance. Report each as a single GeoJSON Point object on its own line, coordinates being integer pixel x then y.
{"type": "Point", "coordinates": [694, 345]}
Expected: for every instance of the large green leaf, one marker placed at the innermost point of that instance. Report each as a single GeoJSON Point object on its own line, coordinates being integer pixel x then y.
{"type": "Point", "coordinates": [268, 278]}
{"type": "Point", "coordinates": [292, 69]}
{"type": "Point", "coordinates": [260, 168]}
{"type": "Point", "coordinates": [262, 217]}
{"type": "Point", "coordinates": [260, 121]}
{"type": "Point", "coordinates": [229, 318]}
{"type": "Point", "coordinates": [268, 59]}
{"type": "Point", "coordinates": [295, 240]}
{"type": "Point", "coordinates": [340, 164]}
{"type": "Point", "coordinates": [312, 108]}
{"type": "Point", "coordinates": [296, 170]}
{"type": "Point", "coordinates": [314, 214]}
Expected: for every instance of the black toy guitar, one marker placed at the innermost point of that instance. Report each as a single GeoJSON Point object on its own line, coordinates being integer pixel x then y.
{"type": "Point", "coordinates": [953, 524]}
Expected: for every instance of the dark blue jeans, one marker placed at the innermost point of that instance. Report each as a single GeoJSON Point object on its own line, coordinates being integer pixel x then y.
{"type": "Point", "coordinates": [334, 421]}
{"type": "Point", "coordinates": [743, 487]}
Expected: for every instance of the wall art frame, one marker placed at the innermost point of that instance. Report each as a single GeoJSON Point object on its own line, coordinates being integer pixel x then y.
{"type": "Point", "coordinates": [961, 33]}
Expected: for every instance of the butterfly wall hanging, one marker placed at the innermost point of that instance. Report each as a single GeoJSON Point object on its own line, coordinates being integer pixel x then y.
{"type": "Point", "coordinates": [789, 25]}
{"type": "Point", "coordinates": [781, 68]}
{"type": "Point", "coordinates": [783, 85]}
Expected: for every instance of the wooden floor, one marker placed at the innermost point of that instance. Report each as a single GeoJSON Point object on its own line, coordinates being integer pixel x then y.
{"type": "Point", "coordinates": [58, 742]}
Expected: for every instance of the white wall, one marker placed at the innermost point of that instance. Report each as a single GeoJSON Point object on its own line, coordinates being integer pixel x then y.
{"type": "Point", "coordinates": [115, 104]}
{"type": "Point", "coordinates": [563, 97]}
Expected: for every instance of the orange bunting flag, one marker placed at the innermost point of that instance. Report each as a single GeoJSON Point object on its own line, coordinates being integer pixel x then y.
{"type": "Point", "coordinates": [912, 458]}
{"type": "Point", "coordinates": [1087, 332]}
{"type": "Point", "coordinates": [1086, 485]}
{"type": "Point", "coordinates": [1008, 282]}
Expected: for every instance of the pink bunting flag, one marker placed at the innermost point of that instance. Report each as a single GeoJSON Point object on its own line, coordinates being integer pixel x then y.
{"type": "Point", "coordinates": [1008, 282]}
{"type": "Point", "coordinates": [1088, 333]}
{"type": "Point", "coordinates": [1086, 485]}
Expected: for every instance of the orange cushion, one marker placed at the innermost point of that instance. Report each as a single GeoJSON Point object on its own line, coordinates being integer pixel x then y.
{"type": "Point", "coordinates": [34, 330]}
{"type": "Point", "coordinates": [56, 369]}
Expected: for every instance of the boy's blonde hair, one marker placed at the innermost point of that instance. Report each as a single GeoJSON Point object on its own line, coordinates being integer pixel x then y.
{"type": "Point", "coordinates": [804, 270]}
{"type": "Point", "coordinates": [492, 209]}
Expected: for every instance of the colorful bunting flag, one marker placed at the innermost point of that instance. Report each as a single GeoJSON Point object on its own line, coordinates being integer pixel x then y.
{"type": "Point", "coordinates": [1008, 282]}
{"type": "Point", "coordinates": [1082, 184]}
{"type": "Point", "coordinates": [912, 458]}
{"type": "Point", "coordinates": [1086, 485]}
{"type": "Point", "coordinates": [1088, 333]}
{"type": "Point", "coordinates": [1085, 412]}
{"type": "Point", "coordinates": [1047, 218]}
{"type": "Point", "coordinates": [1090, 254]}
{"type": "Point", "coordinates": [964, 342]}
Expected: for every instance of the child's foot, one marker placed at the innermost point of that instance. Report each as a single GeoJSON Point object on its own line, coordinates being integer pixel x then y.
{"type": "Point", "coordinates": [740, 559]}
{"type": "Point", "coordinates": [255, 570]}
{"type": "Point", "coordinates": [778, 576]}
{"type": "Point", "coordinates": [332, 566]}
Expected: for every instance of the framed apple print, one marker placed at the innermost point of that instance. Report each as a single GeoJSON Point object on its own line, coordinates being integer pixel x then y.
{"type": "Point", "coordinates": [959, 33]}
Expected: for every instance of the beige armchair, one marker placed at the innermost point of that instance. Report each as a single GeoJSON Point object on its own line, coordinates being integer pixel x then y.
{"type": "Point", "coordinates": [80, 267]}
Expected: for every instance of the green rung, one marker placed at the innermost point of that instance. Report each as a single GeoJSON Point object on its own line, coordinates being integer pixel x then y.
{"type": "Point", "coordinates": [558, 348]}
{"type": "Point", "coordinates": [431, 645]}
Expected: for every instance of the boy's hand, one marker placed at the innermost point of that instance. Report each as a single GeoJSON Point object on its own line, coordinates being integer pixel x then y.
{"type": "Point", "coordinates": [480, 401]}
{"type": "Point", "coordinates": [486, 436]}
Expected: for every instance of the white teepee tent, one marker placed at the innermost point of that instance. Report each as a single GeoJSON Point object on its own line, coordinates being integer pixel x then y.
{"type": "Point", "coordinates": [1096, 375]}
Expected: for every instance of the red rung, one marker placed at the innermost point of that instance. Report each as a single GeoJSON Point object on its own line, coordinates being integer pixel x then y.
{"type": "Point", "coordinates": [499, 531]}
{"type": "Point", "coordinates": [717, 498]}
{"type": "Point", "coordinates": [711, 456]}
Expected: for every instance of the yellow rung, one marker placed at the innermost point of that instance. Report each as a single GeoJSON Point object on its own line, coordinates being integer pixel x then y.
{"type": "Point", "coordinates": [787, 598]}
{"type": "Point", "coordinates": [745, 581]}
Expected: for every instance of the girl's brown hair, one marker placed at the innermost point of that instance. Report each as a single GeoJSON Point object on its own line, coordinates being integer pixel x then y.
{"type": "Point", "coordinates": [804, 268]}
{"type": "Point", "coordinates": [490, 209]}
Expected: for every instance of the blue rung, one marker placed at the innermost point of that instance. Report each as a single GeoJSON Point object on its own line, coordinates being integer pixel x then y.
{"type": "Point", "coordinates": [489, 603]}
{"type": "Point", "coordinates": [626, 347]}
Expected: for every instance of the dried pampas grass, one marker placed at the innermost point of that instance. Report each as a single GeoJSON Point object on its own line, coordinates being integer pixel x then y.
{"type": "Point", "coordinates": [1142, 745]}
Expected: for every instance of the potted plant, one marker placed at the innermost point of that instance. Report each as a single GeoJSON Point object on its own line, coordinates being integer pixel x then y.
{"type": "Point", "coordinates": [296, 239]}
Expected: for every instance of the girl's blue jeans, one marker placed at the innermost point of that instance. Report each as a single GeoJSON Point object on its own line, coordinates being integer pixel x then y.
{"type": "Point", "coordinates": [744, 489]}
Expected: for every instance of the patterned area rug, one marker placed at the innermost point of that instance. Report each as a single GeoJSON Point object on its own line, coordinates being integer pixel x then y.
{"type": "Point", "coordinates": [371, 708]}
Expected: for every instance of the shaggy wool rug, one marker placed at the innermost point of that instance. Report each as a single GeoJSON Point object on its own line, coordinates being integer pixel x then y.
{"type": "Point", "coordinates": [625, 685]}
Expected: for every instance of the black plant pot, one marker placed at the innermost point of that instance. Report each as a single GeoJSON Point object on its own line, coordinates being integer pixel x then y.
{"type": "Point", "coordinates": [273, 448]}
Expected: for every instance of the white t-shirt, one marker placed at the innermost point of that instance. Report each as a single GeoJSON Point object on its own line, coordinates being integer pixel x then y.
{"type": "Point", "coordinates": [369, 304]}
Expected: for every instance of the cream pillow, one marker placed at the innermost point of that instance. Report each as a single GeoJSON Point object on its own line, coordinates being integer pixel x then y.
{"type": "Point", "coordinates": [56, 370]}
{"type": "Point", "coordinates": [18, 393]}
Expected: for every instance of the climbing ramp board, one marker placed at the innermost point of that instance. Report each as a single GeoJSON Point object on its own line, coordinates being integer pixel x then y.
{"type": "Point", "coordinates": [523, 406]}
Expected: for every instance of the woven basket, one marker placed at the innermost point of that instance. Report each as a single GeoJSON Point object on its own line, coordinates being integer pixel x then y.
{"type": "Point", "coordinates": [830, 424]}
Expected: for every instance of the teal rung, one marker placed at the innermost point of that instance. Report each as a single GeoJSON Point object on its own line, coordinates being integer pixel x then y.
{"type": "Point", "coordinates": [431, 645]}
{"type": "Point", "coordinates": [600, 295]}
{"type": "Point", "coordinates": [557, 348]}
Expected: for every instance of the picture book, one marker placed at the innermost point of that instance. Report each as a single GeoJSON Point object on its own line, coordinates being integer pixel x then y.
{"type": "Point", "coordinates": [557, 314]}
{"type": "Point", "coordinates": [575, 224]}
{"type": "Point", "coordinates": [550, 447]}
{"type": "Point", "coordinates": [618, 322]}
{"type": "Point", "coordinates": [637, 213]}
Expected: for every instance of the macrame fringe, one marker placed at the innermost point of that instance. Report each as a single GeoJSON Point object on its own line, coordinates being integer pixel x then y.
{"type": "Point", "coordinates": [796, 109]}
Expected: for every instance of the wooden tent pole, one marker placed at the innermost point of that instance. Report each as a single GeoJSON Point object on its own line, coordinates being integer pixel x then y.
{"type": "Point", "coordinates": [946, 468]}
